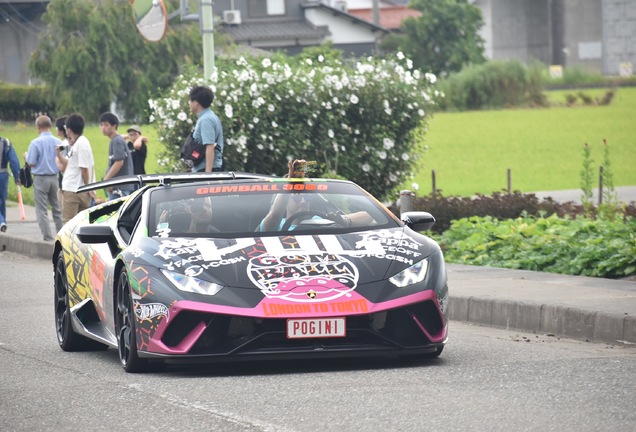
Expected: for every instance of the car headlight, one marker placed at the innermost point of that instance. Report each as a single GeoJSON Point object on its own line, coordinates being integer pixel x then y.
{"type": "Point", "coordinates": [412, 275]}
{"type": "Point", "coordinates": [192, 284]}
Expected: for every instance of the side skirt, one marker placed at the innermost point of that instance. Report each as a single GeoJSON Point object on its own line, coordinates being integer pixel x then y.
{"type": "Point", "coordinates": [86, 322]}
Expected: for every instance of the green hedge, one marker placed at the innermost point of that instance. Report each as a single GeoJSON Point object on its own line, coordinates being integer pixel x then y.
{"type": "Point", "coordinates": [501, 205]}
{"type": "Point", "coordinates": [494, 84]}
{"type": "Point", "coordinates": [581, 246]}
{"type": "Point", "coordinates": [519, 231]}
{"type": "Point", "coordinates": [24, 102]}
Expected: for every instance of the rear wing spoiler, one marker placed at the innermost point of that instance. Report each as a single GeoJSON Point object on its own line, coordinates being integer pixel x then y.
{"type": "Point", "coordinates": [169, 178]}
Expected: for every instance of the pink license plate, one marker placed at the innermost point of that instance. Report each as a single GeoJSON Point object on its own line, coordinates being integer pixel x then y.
{"type": "Point", "coordinates": [316, 328]}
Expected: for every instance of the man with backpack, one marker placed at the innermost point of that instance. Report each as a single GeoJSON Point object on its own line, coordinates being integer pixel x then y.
{"type": "Point", "coordinates": [8, 159]}
{"type": "Point", "coordinates": [208, 130]}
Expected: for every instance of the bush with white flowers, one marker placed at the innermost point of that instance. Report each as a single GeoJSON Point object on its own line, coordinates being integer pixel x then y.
{"type": "Point", "coordinates": [359, 121]}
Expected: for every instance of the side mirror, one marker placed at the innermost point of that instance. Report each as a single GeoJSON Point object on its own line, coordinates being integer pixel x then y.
{"type": "Point", "coordinates": [418, 221]}
{"type": "Point", "coordinates": [151, 18]}
{"type": "Point", "coordinates": [96, 234]}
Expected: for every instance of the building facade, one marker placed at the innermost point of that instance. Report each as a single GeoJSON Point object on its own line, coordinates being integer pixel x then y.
{"type": "Point", "coordinates": [598, 35]}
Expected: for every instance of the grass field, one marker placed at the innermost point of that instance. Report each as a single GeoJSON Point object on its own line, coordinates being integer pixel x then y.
{"type": "Point", "coordinates": [471, 151]}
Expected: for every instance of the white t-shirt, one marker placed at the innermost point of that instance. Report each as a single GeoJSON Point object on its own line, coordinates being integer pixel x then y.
{"type": "Point", "coordinates": [80, 155]}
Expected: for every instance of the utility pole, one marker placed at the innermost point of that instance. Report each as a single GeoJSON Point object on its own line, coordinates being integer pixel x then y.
{"type": "Point", "coordinates": [206, 16]}
{"type": "Point", "coordinates": [376, 12]}
{"type": "Point", "coordinates": [206, 26]}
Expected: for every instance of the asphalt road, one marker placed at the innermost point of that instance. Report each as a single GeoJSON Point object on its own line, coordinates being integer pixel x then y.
{"type": "Point", "coordinates": [486, 380]}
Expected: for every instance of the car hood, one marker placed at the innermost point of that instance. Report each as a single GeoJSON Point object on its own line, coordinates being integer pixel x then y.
{"type": "Point", "coordinates": [267, 262]}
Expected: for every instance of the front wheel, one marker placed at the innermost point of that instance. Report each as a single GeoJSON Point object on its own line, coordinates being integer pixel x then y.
{"type": "Point", "coordinates": [125, 326]}
{"type": "Point", "coordinates": [66, 336]}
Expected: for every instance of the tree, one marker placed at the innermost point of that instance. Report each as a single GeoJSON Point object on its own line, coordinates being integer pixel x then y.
{"type": "Point", "coordinates": [91, 54]}
{"type": "Point", "coordinates": [443, 39]}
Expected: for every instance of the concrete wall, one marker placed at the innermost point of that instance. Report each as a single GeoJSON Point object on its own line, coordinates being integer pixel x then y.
{"type": "Point", "coordinates": [486, 31]}
{"type": "Point", "coordinates": [583, 34]}
{"type": "Point", "coordinates": [520, 29]}
{"type": "Point", "coordinates": [619, 34]}
{"type": "Point", "coordinates": [17, 42]}
{"type": "Point", "coordinates": [598, 35]}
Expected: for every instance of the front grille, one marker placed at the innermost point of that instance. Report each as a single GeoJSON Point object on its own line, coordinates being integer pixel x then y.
{"type": "Point", "coordinates": [225, 334]}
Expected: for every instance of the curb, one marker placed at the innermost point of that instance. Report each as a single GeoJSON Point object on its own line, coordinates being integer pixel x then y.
{"type": "Point", "coordinates": [29, 248]}
{"type": "Point", "coordinates": [543, 318]}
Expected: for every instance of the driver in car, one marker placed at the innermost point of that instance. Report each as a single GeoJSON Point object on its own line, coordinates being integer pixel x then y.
{"type": "Point", "coordinates": [290, 204]}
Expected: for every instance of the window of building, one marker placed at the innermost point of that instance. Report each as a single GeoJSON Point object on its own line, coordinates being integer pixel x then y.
{"type": "Point", "coordinates": [264, 8]}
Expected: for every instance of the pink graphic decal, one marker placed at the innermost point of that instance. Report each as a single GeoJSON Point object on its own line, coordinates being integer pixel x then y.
{"type": "Point", "coordinates": [303, 277]}
{"type": "Point", "coordinates": [350, 304]}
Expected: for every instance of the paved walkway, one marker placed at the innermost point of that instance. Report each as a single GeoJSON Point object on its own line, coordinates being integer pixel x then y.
{"type": "Point", "coordinates": [593, 309]}
{"type": "Point", "coordinates": [626, 194]}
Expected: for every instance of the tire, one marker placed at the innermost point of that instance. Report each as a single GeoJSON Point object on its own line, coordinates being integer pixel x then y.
{"type": "Point", "coordinates": [125, 327]}
{"type": "Point", "coordinates": [66, 336]}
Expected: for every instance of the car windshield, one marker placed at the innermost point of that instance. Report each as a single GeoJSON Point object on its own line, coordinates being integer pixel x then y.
{"type": "Point", "coordinates": [239, 208]}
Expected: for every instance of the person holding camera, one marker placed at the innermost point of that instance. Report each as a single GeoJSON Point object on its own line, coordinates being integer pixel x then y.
{"type": "Point", "coordinates": [78, 166]}
{"type": "Point", "coordinates": [137, 144]}
{"type": "Point", "coordinates": [194, 217]}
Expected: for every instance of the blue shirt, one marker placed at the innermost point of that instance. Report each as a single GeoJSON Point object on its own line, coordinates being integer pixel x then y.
{"type": "Point", "coordinates": [209, 130]}
{"type": "Point", "coordinates": [41, 154]}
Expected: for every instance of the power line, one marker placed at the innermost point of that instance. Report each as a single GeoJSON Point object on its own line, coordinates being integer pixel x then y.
{"type": "Point", "coordinates": [25, 19]}
{"type": "Point", "coordinates": [16, 20]}
{"type": "Point", "coordinates": [15, 24]}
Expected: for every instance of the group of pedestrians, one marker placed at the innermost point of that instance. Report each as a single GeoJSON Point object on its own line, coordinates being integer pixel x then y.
{"type": "Point", "coordinates": [62, 164]}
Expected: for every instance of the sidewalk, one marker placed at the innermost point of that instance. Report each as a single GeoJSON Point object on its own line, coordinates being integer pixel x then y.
{"type": "Point", "coordinates": [626, 194]}
{"type": "Point", "coordinates": [24, 236]}
{"type": "Point", "coordinates": [593, 309]}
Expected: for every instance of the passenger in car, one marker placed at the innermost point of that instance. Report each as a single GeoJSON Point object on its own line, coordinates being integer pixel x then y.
{"type": "Point", "coordinates": [287, 205]}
